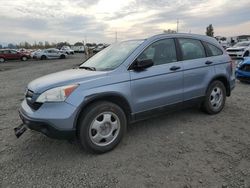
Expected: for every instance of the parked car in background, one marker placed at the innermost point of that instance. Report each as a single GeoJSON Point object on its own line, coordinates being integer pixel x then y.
{"type": "Point", "coordinates": [239, 50]}
{"type": "Point", "coordinates": [51, 53]}
{"type": "Point", "coordinates": [98, 48]}
{"type": "Point", "coordinates": [242, 71]}
{"type": "Point", "coordinates": [67, 50]}
{"type": "Point", "coordinates": [78, 49]}
{"type": "Point", "coordinates": [8, 54]}
{"type": "Point", "coordinates": [91, 46]}
{"type": "Point", "coordinates": [127, 82]}
{"type": "Point", "coordinates": [224, 44]}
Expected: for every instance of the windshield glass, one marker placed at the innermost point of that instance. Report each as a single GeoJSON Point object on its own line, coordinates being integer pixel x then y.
{"type": "Point", "coordinates": [112, 56]}
{"type": "Point", "coordinates": [242, 44]}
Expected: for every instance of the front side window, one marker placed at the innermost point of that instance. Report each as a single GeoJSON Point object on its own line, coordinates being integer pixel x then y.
{"type": "Point", "coordinates": [213, 50]}
{"type": "Point", "coordinates": [161, 52]}
{"type": "Point", "coordinates": [191, 49]}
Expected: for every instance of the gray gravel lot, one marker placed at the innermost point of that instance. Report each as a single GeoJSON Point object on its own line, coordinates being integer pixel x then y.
{"type": "Point", "coordinates": [183, 149]}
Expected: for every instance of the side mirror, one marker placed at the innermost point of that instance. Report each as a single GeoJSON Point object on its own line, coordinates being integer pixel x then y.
{"type": "Point", "coordinates": [143, 64]}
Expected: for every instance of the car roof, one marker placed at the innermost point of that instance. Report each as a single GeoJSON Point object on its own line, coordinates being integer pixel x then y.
{"type": "Point", "coordinates": [186, 35]}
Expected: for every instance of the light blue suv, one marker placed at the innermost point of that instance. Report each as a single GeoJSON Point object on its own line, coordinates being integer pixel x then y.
{"type": "Point", "coordinates": [126, 82]}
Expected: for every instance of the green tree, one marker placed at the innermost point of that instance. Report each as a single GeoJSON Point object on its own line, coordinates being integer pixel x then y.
{"type": "Point", "coordinates": [210, 30]}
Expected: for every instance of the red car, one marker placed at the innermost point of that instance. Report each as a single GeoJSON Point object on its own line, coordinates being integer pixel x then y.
{"type": "Point", "coordinates": [7, 54]}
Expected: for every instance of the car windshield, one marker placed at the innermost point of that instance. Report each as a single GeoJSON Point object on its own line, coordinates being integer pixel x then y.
{"type": "Point", "coordinates": [113, 56]}
{"type": "Point", "coordinates": [242, 44]}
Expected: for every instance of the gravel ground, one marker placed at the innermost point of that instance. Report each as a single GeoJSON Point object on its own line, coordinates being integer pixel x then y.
{"type": "Point", "coordinates": [183, 149]}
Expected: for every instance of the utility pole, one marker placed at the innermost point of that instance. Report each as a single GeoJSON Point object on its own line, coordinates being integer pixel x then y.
{"type": "Point", "coordinates": [177, 26]}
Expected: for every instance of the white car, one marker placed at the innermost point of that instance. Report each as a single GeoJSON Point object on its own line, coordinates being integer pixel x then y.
{"type": "Point", "coordinates": [239, 50]}
{"type": "Point", "coordinates": [67, 50]}
{"type": "Point", "coordinates": [51, 53]}
{"type": "Point", "coordinates": [78, 49]}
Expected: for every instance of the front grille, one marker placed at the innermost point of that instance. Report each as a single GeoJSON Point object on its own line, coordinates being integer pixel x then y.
{"type": "Point", "coordinates": [245, 68]}
{"type": "Point", "coordinates": [233, 50]}
{"type": "Point", "coordinates": [31, 101]}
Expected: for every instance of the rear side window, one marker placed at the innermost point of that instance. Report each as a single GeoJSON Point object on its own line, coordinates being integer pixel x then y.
{"type": "Point", "coordinates": [191, 49]}
{"type": "Point", "coordinates": [213, 50]}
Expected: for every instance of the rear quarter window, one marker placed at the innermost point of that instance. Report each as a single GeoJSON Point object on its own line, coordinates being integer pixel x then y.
{"type": "Point", "coordinates": [213, 50]}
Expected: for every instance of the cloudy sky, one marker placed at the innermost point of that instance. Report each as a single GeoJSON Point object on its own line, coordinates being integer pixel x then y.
{"type": "Point", "coordinates": [98, 20]}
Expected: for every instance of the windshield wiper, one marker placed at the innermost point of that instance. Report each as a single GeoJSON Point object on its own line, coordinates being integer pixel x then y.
{"type": "Point", "coordinates": [88, 68]}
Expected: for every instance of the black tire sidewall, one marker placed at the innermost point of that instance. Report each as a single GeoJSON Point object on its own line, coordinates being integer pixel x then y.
{"type": "Point", "coordinates": [87, 117]}
{"type": "Point", "coordinates": [62, 56]}
{"type": "Point", "coordinates": [22, 58]}
{"type": "Point", "coordinates": [246, 54]}
{"type": "Point", "coordinates": [207, 105]}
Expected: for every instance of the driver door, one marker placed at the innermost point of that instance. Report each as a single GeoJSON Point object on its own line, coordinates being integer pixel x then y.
{"type": "Point", "coordinates": [160, 85]}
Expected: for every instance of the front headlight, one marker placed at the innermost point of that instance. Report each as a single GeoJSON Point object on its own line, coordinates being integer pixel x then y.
{"type": "Point", "coordinates": [56, 94]}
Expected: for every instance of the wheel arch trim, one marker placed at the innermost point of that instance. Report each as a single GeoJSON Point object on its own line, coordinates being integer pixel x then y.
{"type": "Point", "coordinates": [114, 97]}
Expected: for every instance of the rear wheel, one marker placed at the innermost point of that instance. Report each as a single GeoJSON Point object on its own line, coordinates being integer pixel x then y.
{"type": "Point", "coordinates": [24, 58]}
{"type": "Point", "coordinates": [43, 57]}
{"type": "Point", "coordinates": [102, 127]}
{"type": "Point", "coordinates": [215, 98]}
{"type": "Point", "coordinates": [2, 60]}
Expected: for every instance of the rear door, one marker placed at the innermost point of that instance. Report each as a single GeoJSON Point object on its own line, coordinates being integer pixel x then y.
{"type": "Point", "coordinates": [161, 84]}
{"type": "Point", "coordinates": [198, 69]}
{"type": "Point", "coordinates": [15, 54]}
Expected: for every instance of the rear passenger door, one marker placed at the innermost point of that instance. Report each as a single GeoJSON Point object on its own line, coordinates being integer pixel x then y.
{"type": "Point", "coordinates": [198, 69]}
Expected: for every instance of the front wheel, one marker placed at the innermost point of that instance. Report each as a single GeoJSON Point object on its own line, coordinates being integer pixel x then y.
{"type": "Point", "coordinates": [62, 57]}
{"type": "Point", "coordinates": [215, 98]}
{"type": "Point", "coordinates": [102, 127]}
{"type": "Point", "coordinates": [246, 54]}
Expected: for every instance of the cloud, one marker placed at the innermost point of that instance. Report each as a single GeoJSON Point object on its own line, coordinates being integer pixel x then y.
{"type": "Point", "coordinates": [98, 20]}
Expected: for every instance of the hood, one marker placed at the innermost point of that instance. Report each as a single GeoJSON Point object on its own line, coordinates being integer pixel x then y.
{"type": "Point", "coordinates": [236, 48]}
{"type": "Point", "coordinates": [67, 77]}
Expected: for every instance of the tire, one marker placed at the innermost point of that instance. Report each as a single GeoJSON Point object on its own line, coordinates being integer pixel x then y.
{"type": "Point", "coordinates": [2, 60]}
{"type": "Point", "coordinates": [62, 57]}
{"type": "Point", "coordinates": [215, 98]}
{"type": "Point", "coordinates": [101, 127]}
{"type": "Point", "coordinates": [246, 54]}
{"type": "Point", "coordinates": [43, 57]}
{"type": "Point", "coordinates": [24, 58]}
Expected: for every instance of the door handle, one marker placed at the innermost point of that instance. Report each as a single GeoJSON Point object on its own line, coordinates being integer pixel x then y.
{"type": "Point", "coordinates": [174, 68]}
{"type": "Point", "coordinates": [208, 62]}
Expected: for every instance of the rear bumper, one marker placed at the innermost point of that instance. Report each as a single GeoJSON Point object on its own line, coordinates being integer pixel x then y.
{"type": "Point", "coordinates": [46, 128]}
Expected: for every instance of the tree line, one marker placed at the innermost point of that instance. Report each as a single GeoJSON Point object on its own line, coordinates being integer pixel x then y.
{"type": "Point", "coordinates": [38, 45]}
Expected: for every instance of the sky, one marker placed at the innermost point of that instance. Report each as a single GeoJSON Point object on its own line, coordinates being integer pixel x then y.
{"type": "Point", "coordinates": [100, 20]}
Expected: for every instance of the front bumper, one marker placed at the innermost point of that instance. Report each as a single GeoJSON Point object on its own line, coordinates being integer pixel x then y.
{"type": "Point", "coordinates": [236, 54]}
{"type": "Point", "coordinates": [242, 75]}
{"type": "Point", "coordinates": [54, 120]}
